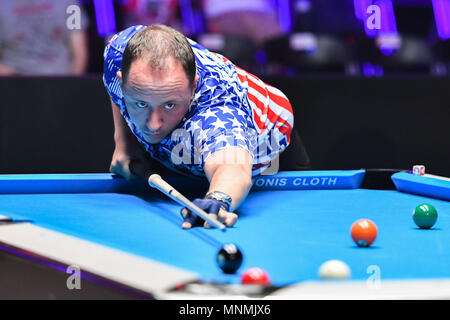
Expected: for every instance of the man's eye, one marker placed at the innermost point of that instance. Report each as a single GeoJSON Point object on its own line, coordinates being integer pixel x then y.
{"type": "Point", "coordinates": [141, 104]}
{"type": "Point", "coordinates": [169, 106]}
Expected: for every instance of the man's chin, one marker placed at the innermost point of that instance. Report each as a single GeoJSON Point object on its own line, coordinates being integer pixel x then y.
{"type": "Point", "coordinates": [154, 139]}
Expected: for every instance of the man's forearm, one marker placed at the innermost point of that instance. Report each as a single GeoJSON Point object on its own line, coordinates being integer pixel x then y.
{"type": "Point", "coordinates": [233, 180]}
{"type": "Point", "coordinates": [122, 133]}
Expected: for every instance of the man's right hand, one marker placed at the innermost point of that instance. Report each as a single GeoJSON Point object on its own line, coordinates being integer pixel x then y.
{"type": "Point", "coordinates": [123, 155]}
{"type": "Point", "coordinates": [120, 164]}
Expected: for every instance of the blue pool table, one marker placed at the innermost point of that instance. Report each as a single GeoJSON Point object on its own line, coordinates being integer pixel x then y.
{"type": "Point", "coordinates": [127, 236]}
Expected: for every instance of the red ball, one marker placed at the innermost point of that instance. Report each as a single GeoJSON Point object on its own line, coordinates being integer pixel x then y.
{"type": "Point", "coordinates": [364, 232]}
{"type": "Point", "coordinates": [255, 276]}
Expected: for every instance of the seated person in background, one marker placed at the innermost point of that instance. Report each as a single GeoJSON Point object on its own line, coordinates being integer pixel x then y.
{"type": "Point", "coordinates": [178, 104]}
{"type": "Point", "coordinates": [148, 12]}
{"type": "Point", "coordinates": [253, 19]}
{"type": "Point", "coordinates": [35, 39]}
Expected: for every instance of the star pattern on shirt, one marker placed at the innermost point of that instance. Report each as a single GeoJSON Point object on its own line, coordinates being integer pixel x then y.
{"type": "Point", "coordinates": [220, 114]}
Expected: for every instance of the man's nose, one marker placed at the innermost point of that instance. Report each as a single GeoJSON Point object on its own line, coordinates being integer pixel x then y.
{"type": "Point", "coordinates": [154, 123]}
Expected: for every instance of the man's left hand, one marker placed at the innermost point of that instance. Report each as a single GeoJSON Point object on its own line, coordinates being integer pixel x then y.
{"type": "Point", "coordinates": [215, 210]}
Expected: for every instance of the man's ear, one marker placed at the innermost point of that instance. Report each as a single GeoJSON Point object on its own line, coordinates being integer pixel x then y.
{"type": "Point", "coordinates": [195, 83]}
{"type": "Point", "coordinates": [119, 76]}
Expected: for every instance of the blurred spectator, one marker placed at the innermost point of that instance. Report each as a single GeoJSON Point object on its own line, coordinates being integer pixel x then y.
{"type": "Point", "coordinates": [35, 38]}
{"type": "Point", "coordinates": [253, 19]}
{"type": "Point", "coordinates": [335, 18]}
{"type": "Point", "coordinates": [148, 12]}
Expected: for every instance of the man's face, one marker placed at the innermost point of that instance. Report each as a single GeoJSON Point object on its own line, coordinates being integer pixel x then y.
{"type": "Point", "coordinates": [157, 100]}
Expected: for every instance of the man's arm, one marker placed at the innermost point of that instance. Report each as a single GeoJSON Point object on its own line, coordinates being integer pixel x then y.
{"type": "Point", "coordinates": [122, 133]}
{"type": "Point", "coordinates": [127, 148]}
{"type": "Point", "coordinates": [229, 171]}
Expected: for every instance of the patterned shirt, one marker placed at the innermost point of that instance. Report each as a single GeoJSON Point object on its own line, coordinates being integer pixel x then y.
{"type": "Point", "coordinates": [35, 35]}
{"type": "Point", "coordinates": [231, 107]}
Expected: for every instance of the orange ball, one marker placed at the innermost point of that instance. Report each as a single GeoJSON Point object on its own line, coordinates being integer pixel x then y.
{"type": "Point", "coordinates": [364, 232]}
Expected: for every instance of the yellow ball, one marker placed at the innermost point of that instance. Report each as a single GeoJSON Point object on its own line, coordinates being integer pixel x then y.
{"type": "Point", "coordinates": [334, 269]}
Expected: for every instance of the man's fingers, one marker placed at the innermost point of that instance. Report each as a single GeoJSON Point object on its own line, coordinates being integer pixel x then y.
{"type": "Point", "coordinates": [184, 213]}
{"type": "Point", "coordinates": [122, 168]}
{"type": "Point", "coordinates": [127, 171]}
{"type": "Point", "coordinates": [212, 216]}
{"type": "Point", "coordinates": [227, 218]}
{"type": "Point", "coordinates": [117, 170]}
{"type": "Point", "coordinates": [186, 225]}
{"type": "Point", "coordinates": [222, 216]}
{"type": "Point", "coordinates": [190, 218]}
{"type": "Point", "coordinates": [231, 219]}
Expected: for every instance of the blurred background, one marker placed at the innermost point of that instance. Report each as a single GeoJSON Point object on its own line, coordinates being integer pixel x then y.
{"type": "Point", "coordinates": [266, 37]}
{"type": "Point", "coordinates": [368, 79]}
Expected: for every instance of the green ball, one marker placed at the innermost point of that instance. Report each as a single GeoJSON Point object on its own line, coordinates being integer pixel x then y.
{"type": "Point", "coordinates": [425, 216]}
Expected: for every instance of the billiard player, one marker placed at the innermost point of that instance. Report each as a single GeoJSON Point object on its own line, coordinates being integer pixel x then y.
{"type": "Point", "coordinates": [180, 107]}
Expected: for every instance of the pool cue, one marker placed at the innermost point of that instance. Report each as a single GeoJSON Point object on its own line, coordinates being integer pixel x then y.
{"type": "Point", "coordinates": [155, 181]}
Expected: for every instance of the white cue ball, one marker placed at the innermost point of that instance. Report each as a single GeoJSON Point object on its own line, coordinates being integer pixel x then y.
{"type": "Point", "coordinates": [334, 269]}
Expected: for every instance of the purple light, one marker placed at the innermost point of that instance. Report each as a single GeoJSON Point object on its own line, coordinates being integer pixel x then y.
{"type": "Point", "coordinates": [187, 16]}
{"type": "Point", "coordinates": [370, 70]}
{"type": "Point", "coordinates": [360, 7]}
{"type": "Point", "coordinates": [284, 15]}
{"type": "Point", "coordinates": [379, 71]}
{"type": "Point", "coordinates": [386, 15]}
{"type": "Point", "coordinates": [386, 51]}
{"type": "Point", "coordinates": [441, 10]}
{"type": "Point", "coordinates": [388, 24]}
{"type": "Point", "coordinates": [104, 15]}
{"type": "Point", "coordinates": [260, 57]}
{"type": "Point", "coordinates": [191, 18]}
{"type": "Point", "coordinates": [388, 28]}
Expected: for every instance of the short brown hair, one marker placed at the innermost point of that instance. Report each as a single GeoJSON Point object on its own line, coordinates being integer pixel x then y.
{"type": "Point", "coordinates": [157, 42]}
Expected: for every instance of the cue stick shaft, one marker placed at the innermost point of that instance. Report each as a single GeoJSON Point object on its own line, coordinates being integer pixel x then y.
{"type": "Point", "coordinates": [157, 182]}
{"type": "Point", "coordinates": [139, 169]}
